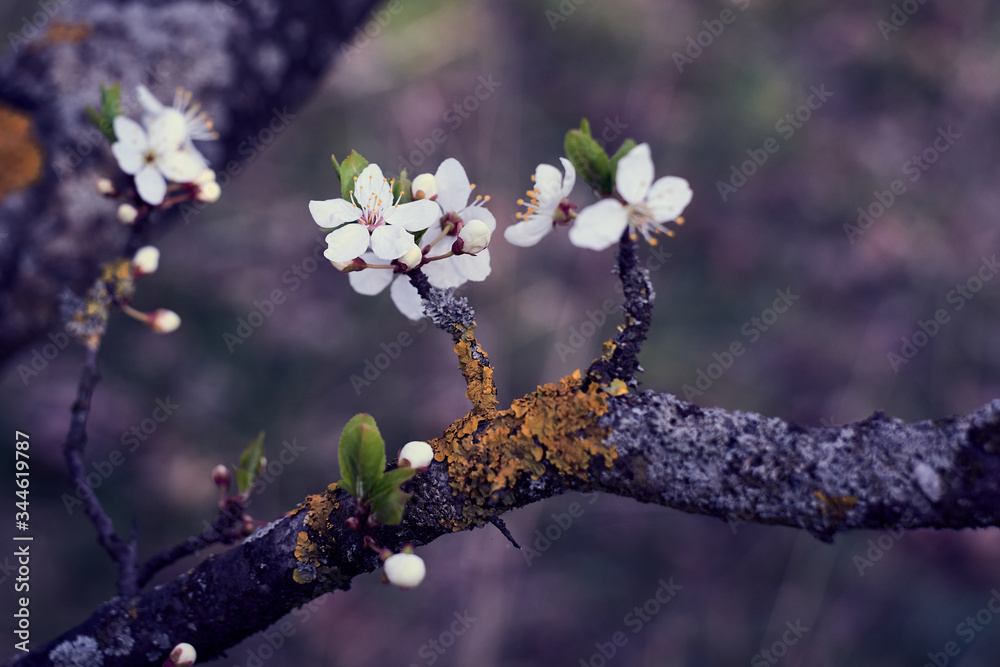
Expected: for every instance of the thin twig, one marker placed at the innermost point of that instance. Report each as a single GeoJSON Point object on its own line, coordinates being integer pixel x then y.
{"type": "Point", "coordinates": [122, 553]}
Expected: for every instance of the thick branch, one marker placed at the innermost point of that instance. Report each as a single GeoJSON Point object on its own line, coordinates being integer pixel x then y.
{"type": "Point", "coordinates": [731, 465]}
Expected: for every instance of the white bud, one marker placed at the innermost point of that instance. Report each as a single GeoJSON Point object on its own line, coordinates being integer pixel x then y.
{"type": "Point", "coordinates": [127, 213]}
{"type": "Point", "coordinates": [220, 476]}
{"type": "Point", "coordinates": [340, 266]}
{"type": "Point", "coordinates": [475, 236]}
{"type": "Point", "coordinates": [405, 570]}
{"type": "Point", "coordinates": [164, 321]}
{"type": "Point", "coordinates": [183, 655]}
{"type": "Point", "coordinates": [146, 260]}
{"type": "Point", "coordinates": [412, 259]}
{"type": "Point", "coordinates": [426, 183]}
{"type": "Point", "coordinates": [209, 192]}
{"type": "Point", "coordinates": [416, 454]}
{"type": "Point", "coordinates": [105, 186]}
{"type": "Point", "coordinates": [207, 176]}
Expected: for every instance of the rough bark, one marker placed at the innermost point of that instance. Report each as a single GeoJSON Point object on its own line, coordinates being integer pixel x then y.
{"type": "Point", "coordinates": [247, 62]}
{"type": "Point", "coordinates": [734, 466]}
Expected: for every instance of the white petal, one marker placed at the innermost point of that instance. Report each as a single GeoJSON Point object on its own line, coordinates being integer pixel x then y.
{"type": "Point", "coordinates": [635, 174]}
{"type": "Point", "coordinates": [474, 267]}
{"type": "Point", "coordinates": [151, 186]}
{"type": "Point", "coordinates": [479, 213]}
{"type": "Point", "coordinates": [415, 215]}
{"type": "Point", "coordinates": [569, 180]}
{"type": "Point", "coordinates": [600, 225]}
{"type": "Point", "coordinates": [453, 185]}
{"type": "Point", "coordinates": [370, 189]}
{"type": "Point", "coordinates": [180, 166]}
{"type": "Point", "coordinates": [150, 105]}
{"type": "Point", "coordinates": [406, 298]}
{"type": "Point", "coordinates": [347, 242]}
{"type": "Point", "coordinates": [548, 181]}
{"type": "Point", "coordinates": [529, 232]}
{"type": "Point", "coordinates": [167, 131]}
{"type": "Point", "coordinates": [431, 234]}
{"type": "Point", "coordinates": [370, 281]}
{"type": "Point", "coordinates": [443, 274]}
{"type": "Point", "coordinates": [129, 160]}
{"type": "Point", "coordinates": [391, 241]}
{"type": "Point", "coordinates": [333, 212]}
{"type": "Point", "coordinates": [668, 198]}
{"type": "Point", "coordinates": [130, 134]}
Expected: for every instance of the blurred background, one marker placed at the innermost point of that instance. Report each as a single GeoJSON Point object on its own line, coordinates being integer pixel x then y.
{"type": "Point", "coordinates": [910, 92]}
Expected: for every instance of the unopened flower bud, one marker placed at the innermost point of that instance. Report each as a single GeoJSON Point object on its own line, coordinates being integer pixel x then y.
{"type": "Point", "coordinates": [475, 236]}
{"type": "Point", "coordinates": [106, 187]}
{"type": "Point", "coordinates": [207, 176]}
{"type": "Point", "coordinates": [127, 213]}
{"type": "Point", "coordinates": [405, 570]}
{"type": "Point", "coordinates": [416, 454]}
{"type": "Point", "coordinates": [221, 477]}
{"type": "Point", "coordinates": [146, 261]}
{"type": "Point", "coordinates": [424, 186]}
{"type": "Point", "coordinates": [183, 655]}
{"type": "Point", "coordinates": [164, 321]}
{"type": "Point", "coordinates": [209, 192]}
{"type": "Point", "coordinates": [412, 259]}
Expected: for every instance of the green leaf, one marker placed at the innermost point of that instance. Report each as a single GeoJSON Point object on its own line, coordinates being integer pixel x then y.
{"type": "Point", "coordinates": [350, 168]}
{"type": "Point", "coordinates": [388, 507]}
{"type": "Point", "coordinates": [249, 467]}
{"type": "Point", "coordinates": [622, 151]}
{"type": "Point", "coordinates": [336, 165]}
{"type": "Point", "coordinates": [362, 456]}
{"type": "Point", "coordinates": [392, 478]}
{"type": "Point", "coordinates": [589, 159]}
{"type": "Point", "coordinates": [111, 106]}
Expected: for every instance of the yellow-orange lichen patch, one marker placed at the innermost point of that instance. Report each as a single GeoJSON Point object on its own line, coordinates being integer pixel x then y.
{"type": "Point", "coordinates": [553, 428]}
{"type": "Point", "coordinates": [20, 154]}
{"type": "Point", "coordinates": [478, 376]}
{"type": "Point", "coordinates": [309, 553]}
{"type": "Point", "coordinates": [835, 506]}
{"type": "Point", "coordinates": [61, 32]}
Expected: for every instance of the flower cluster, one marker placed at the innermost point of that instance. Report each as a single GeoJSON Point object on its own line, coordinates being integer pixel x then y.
{"type": "Point", "coordinates": [161, 150]}
{"type": "Point", "coordinates": [430, 225]}
{"type": "Point", "coordinates": [641, 206]}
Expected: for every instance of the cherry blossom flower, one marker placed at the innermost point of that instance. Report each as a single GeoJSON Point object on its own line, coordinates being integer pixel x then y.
{"type": "Point", "coordinates": [548, 206]}
{"type": "Point", "coordinates": [453, 192]}
{"type": "Point", "coordinates": [157, 155]}
{"type": "Point", "coordinates": [647, 205]}
{"type": "Point", "coordinates": [373, 220]}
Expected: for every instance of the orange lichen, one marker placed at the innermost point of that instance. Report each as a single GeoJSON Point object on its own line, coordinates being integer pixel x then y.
{"type": "Point", "coordinates": [478, 376]}
{"type": "Point", "coordinates": [311, 551]}
{"type": "Point", "coordinates": [20, 154]}
{"type": "Point", "coordinates": [61, 32]}
{"type": "Point", "coordinates": [835, 506]}
{"type": "Point", "coordinates": [553, 428]}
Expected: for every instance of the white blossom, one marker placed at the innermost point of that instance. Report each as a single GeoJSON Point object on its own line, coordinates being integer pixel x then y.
{"type": "Point", "coordinates": [646, 209]}
{"type": "Point", "coordinates": [416, 454]}
{"type": "Point", "coordinates": [164, 321]}
{"type": "Point", "coordinates": [154, 157]}
{"type": "Point", "coordinates": [405, 570]}
{"type": "Point", "coordinates": [146, 260]}
{"type": "Point", "coordinates": [547, 197]}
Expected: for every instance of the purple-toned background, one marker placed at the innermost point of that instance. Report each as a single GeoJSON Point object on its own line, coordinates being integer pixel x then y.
{"type": "Point", "coordinates": [709, 91]}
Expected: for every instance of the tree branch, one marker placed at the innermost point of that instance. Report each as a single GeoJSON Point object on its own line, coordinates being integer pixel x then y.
{"type": "Point", "coordinates": [655, 448]}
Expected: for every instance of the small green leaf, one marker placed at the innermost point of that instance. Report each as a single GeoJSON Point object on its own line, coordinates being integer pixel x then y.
{"type": "Point", "coordinates": [111, 106]}
{"type": "Point", "coordinates": [402, 189]}
{"type": "Point", "coordinates": [361, 456]}
{"type": "Point", "coordinates": [388, 507]}
{"type": "Point", "coordinates": [350, 168]}
{"type": "Point", "coordinates": [392, 478]}
{"type": "Point", "coordinates": [336, 165]}
{"type": "Point", "coordinates": [622, 151]}
{"type": "Point", "coordinates": [589, 159]}
{"type": "Point", "coordinates": [249, 467]}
